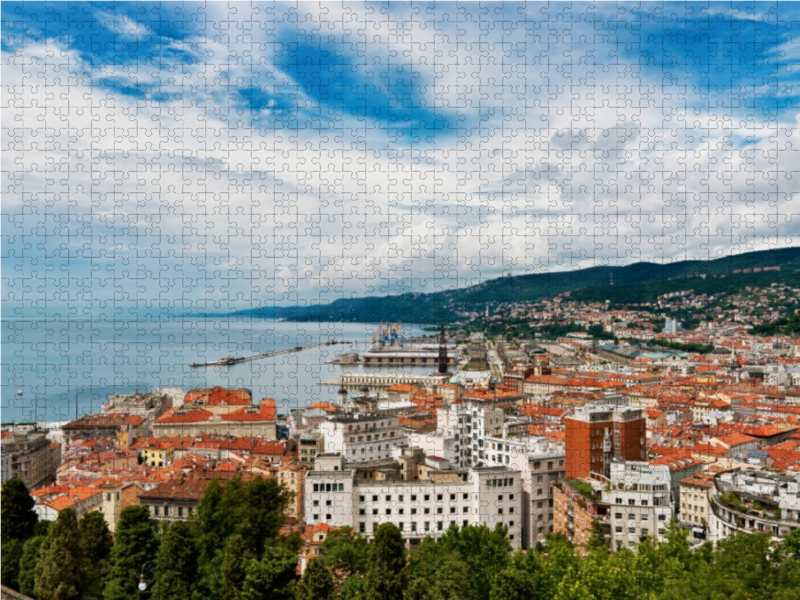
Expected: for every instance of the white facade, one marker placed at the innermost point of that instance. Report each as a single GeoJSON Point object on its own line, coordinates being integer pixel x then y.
{"type": "Point", "coordinates": [469, 424]}
{"type": "Point", "coordinates": [362, 437]}
{"type": "Point", "coordinates": [639, 502]}
{"type": "Point", "coordinates": [419, 508]}
{"type": "Point", "coordinates": [434, 444]}
{"type": "Point", "coordinates": [540, 462]}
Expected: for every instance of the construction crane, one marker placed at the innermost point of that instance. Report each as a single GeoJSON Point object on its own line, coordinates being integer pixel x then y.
{"type": "Point", "coordinates": [377, 333]}
{"type": "Point", "coordinates": [396, 332]}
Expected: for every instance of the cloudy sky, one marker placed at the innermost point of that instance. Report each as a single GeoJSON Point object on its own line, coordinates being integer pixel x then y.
{"type": "Point", "coordinates": [213, 157]}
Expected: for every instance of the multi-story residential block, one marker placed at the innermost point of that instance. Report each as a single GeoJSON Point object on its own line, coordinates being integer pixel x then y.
{"type": "Point", "coordinates": [753, 501]}
{"type": "Point", "coordinates": [694, 506]}
{"type": "Point", "coordinates": [597, 434]}
{"type": "Point", "coordinates": [469, 424]}
{"type": "Point", "coordinates": [31, 457]}
{"type": "Point", "coordinates": [541, 464]}
{"type": "Point", "coordinates": [309, 444]}
{"type": "Point", "coordinates": [363, 437]}
{"type": "Point", "coordinates": [337, 496]}
{"type": "Point", "coordinates": [577, 506]}
{"type": "Point", "coordinates": [638, 499]}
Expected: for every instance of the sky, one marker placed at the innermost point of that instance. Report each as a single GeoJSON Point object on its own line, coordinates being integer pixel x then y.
{"type": "Point", "coordinates": [191, 158]}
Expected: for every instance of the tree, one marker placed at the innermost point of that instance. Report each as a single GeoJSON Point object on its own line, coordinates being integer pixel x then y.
{"type": "Point", "coordinates": [512, 584]}
{"type": "Point", "coordinates": [317, 582]}
{"type": "Point", "coordinates": [434, 574]}
{"type": "Point", "coordinates": [31, 552]}
{"type": "Point", "coordinates": [96, 545]}
{"type": "Point", "coordinates": [345, 552]}
{"type": "Point", "coordinates": [598, 540]}
{"type": "Point", "coordinates": [136, 544]}
{"type": "Point", "coordinates": [385, 563]}
{"type": "Point", "coordinates": [177, 560]}
{"type": "Point", "coordinates": [271, 577]}
{"type": "Point", "coordinates": [235, 559]}
{"type": "Point", "coordinates": [61, 569]}
{"type": "Point", "coordinates": [254, 510]}
{"type": "Point", "coordinates": [484, 551]}
{"type": "Point", "coordinates": [17, 516]}
{"type": "Point", "coordinates": [11, 553]}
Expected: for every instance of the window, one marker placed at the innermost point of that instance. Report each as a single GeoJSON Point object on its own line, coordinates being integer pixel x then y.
{"type": "Point", "coordinates": [180, 511]}
{"type": "Point", "coordinates": [361, 511]}
{"type": "Point", "coordinates": [166, 511]}
{"type": "Point", "coordinates": [400, 511]}
{"type": "Point", "coordinates": [631, 529]}
{"type": "Point", "coordinates": [427, 511]}
{"type": "Point", "coordinates": [465, 509]}
{"type": "Point", "coordinates": [439, 510]}
{"type": "Point", "coordinates": [328, 503]}
{"type": "Point", "coordinates": [427, 525]}
{"type": "Point", "coordinates": [413, 511]}
{"type": "Point", "coordinates": [413, 526]}
{"type": "Point", "coordinates": [631, 517]}
{"type": "Point", "coordinates": [427, 497]}
{"type": "Point", "coordinates": [362, 527]}
{"type": "Point", "coordinates": [452, 496]}
{"type": "Point", "coordinates": [361, 498]}
{"type": "Point", "coordinates": [439, 497]}
{"type": "Point", "coordinates": [452, 510]}
{"type": "Point", "coordinates": [327, 517]}
{"type": "Point", "coordinates": [315, 517]}
{"type": "Point", "coordinates": [500, 498]}
{"type": "Point", "coordinates": [316, 489]}
{"type": "Point", "coordinates": [499, 511]}
{"type": "Point", "coordinates": [645, 517]}
{"type": "Point", "coordinates": [617, 515]}
{"type": "Point", "coordinates": [388, 511]}
{"type": "Point", "coordinates": [662, 517]}
{"type": "Point", "coordinates": [155, 511]}
{"type": "Point", "coordinates": [645, 531]}
{"type": "Point", "coordinates": [618, 528]}
{"type": "Point", "coordinates": [511, 510]}
{"type": "Point", "coordinates": [511, 523]}
{"type": "Point", "coordinates": [388, 498]}
{"type": "Point", "coordinates": [618, 500]}
{"type": "Point", "coordinates": [374, 498]}
{"type": "Point", "coordinates": [374, 511]}
{"type": "Point", "coordinates": [465, 496]}
{"type": "Point", "coordinates": [511, 496]}
{"type": "Point", "coordinates": [413, 497]}
{"type": "Point", "coordinates": [400, 498]}
{"type": "Point", "coordinates": [644, 502]}
{"type": "Point", "coordinates": [440, 526]}
{"type": "Point", "coordinates": [631, 502]}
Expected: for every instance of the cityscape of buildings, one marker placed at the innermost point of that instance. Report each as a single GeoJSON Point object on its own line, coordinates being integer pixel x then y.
{"type": "Point", "coordinates": [570, 434]}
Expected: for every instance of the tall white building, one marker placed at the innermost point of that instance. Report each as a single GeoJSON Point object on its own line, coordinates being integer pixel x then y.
{"type": "Point", "coordinates": [470, 425]}
{"type": "Point", "coordinates": [362, 437]}
{"type": "Point", "coordinates": [540, 462]}
{"type": "Point", "coordinates": [337, 496]}
{"type": "Point", "coordinates": [639, 502]}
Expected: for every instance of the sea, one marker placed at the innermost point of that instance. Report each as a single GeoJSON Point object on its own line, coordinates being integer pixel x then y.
{"type": "Point", "coordinates": [55, 369]}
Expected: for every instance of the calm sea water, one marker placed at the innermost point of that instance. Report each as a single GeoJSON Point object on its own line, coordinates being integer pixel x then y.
{"type": "Point", "coordinates": [52, 361]}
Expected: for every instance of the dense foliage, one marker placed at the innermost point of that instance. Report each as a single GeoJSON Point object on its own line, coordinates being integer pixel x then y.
{"type": "Point", "coordinates": [233, 549]}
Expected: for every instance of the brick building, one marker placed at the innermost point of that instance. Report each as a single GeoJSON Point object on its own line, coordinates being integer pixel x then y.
{"type": "Point", "coordinates": [596, 434]}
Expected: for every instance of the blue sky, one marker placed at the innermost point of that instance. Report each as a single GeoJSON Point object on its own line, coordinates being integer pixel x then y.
{"type": "Point", "coordinates": [219, 156]}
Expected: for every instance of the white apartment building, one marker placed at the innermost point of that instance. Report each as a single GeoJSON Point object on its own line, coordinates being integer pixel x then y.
{"type": "Point", "coordinates": [362, 437]}
{"type": "Point", "coordinates": [469, 424]}
{"type": "Point", "coordinates": [540, 462]}
{"type": "Point", "coordinates": [639, 502]}
{"type": "Point", "coordinates": [420, 508]}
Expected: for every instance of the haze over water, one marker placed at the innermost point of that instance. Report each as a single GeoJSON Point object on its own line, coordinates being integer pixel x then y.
{"type": "Point", "coordinates": [52, 360]}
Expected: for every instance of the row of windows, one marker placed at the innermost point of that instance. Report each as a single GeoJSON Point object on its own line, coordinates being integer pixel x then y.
{"type": "Point", "coordinates": [632, 501]}
{"type": "Point", "coordinates": [425, 497]}
{"type": "Point", "coordinates": [426, 526]}
{"type": "Point", "coordinates": [167, 511]}
{"type": "Point", "coordinates": [328, 487]}
{"type": "Point", "coordinates": [505, 482]}
{"type": "Point", "coordinates": [642, 517]}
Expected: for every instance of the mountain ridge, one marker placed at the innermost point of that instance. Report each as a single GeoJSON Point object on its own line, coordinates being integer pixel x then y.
{"type": "Point", "coordinates": [638, 280]}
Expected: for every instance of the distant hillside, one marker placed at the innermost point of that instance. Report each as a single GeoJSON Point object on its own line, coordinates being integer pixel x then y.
{"type": "Point", "coordinates": [640, 282]}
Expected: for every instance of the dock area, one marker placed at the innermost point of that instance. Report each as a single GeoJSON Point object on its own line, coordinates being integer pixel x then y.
{"type": "Point", "coordinates": [235, 360]}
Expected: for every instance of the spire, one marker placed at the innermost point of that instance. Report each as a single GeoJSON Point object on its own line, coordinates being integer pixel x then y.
{"type": "Point", "coordinates": [442, 352]}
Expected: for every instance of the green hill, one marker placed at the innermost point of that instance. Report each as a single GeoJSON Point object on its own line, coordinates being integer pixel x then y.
{"type": "Point", "coordinates": [637, 283]}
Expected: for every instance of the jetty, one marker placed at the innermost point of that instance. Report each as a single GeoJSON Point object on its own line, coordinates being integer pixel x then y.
{"type": "Point", "coordinates": [235, 360]}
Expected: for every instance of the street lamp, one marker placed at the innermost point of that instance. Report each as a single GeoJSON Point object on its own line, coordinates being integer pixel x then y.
{"type": "Point", "coordinates": [151, 565]}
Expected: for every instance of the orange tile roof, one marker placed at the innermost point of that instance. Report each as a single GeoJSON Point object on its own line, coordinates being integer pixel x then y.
{"type": "Point", "coordinates": [219, 396]}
